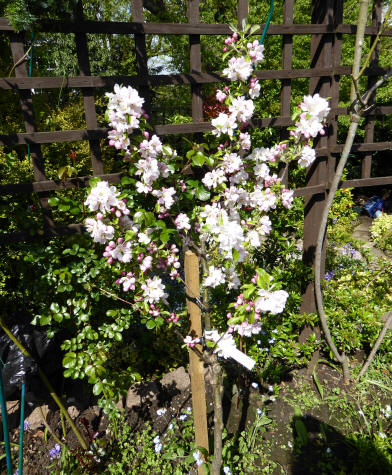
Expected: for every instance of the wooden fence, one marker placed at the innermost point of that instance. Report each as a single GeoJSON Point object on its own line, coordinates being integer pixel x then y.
{"type": "Point", "coordinates": [324, 75]}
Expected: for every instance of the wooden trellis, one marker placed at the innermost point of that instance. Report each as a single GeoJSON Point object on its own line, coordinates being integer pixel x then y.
{"type": "Point", "coordinates": [324, 75]}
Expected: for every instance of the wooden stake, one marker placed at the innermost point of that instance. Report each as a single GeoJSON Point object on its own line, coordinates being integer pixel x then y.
{"type": "Point", "coordinates": [196, 366]}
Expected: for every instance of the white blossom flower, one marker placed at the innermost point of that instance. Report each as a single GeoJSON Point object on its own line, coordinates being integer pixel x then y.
{"type": "Point", "coordinates": [287, 198]}
{"type": "Point", "coordinates": [154, 290]}
{"type": "Point", "coordinates": [239, 69]}
{"type": "Point", "coordinates": [182, 222]}
{"type": "Point", "coordinates": [223, 124]}
{"type": "Point", "coordinates": [308, 156]}
{"type": "Point", "coordinates": [273, 302]}
{"type": "Point", "coordinates": [128, 283]}
{"type": "Point", "coordinates": [315, 106]}
{"type": "Point", "coordinates": [215, 277]}
{"type": "Point", "coordinates": [242, 109]}
{"type": "Point", "coordinates": [165, 196]}
{"type": "Point", "coordinates": [99, 231]}
{"type": "Point", "coordinates": [102, 197]}
{"type": "Point", "coordinates": [122, 252]}
{"type": "Point", "coordinates": [214, 178]}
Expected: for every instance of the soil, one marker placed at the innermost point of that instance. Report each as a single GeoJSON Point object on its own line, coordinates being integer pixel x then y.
{"type": "Point", "coordinates": [324, 429]}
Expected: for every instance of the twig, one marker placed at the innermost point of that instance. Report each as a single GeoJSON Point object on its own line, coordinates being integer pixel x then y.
{"type": "Point", "coordinates": [355, 118]}
{"type": "Point", "coordinates": [19, 61]}
{"type": "Point", "coordinates": [49, 429]}
{"type": "Point", "coordinates": [375, 347]}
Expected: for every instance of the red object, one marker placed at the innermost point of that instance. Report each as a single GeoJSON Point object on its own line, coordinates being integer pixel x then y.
{"type": "Point", "coordinates": [212, 107]}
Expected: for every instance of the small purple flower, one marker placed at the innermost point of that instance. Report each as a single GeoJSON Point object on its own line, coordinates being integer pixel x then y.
{"type": "Point", "coordinates": [26, 425]}
{"type": "Point", "coordinates": [334, 220]}
{"type": "Point", "coordinates": [329, 275]}
{"type": "Point", "coordinates": [55, 452]}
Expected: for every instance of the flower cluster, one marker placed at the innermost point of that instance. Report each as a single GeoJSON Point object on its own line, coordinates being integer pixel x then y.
{"type": "Point", "coordinates": [230, 205]}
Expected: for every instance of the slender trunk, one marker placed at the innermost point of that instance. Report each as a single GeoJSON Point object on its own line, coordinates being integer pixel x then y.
{"type": "Point", "coordinates": [218, 414]}
{"type": "Point", "coordinates": [355, 118]}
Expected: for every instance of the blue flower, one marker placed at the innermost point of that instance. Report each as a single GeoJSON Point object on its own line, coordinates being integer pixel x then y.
{"type": "Point", "coordinates": [55, 452]}
{"type": "Point", "coordinates": [197, 457]}
{"type": "Point", "coordinates": [329, 275]}
{"type": "Point", "coordinates": [158, 448]}
{"type": "Point", "coordinates": [226, 470]}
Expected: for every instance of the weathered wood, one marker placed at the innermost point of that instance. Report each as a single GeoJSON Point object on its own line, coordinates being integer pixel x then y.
{"type": "Point", "coordinates": [335, 80]}
{"type": "Point", "coordinates": [88, 94]}
{"type": "Point", "coordinates": [168, 79]}
{"type": "Point", "coordinates": [195, 61]}
{"type": "Point", "coordinates": [57, 185]}
{"type": "Point", "coordinates": [11, 238]}
{"type": "Point", "coordinates": [26, 102]}
{"type": "Point", "coordinates": [369, 127]}
{"type": "Point", "coordinates": [285, 93]}
{"type": "Point", "coordinates": [141, 54]}
{"type": "Point", "coordinates": [321, 56]}
{"type": "Point", "coordinates": [196, 365]}
{"type": "Point", "coordinates": [126, 28]}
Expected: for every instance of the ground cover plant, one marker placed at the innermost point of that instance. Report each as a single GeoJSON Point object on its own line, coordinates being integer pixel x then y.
{"type": "Point", "coordinates": [117, 304]}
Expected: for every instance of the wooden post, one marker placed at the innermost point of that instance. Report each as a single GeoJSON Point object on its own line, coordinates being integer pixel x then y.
{"type": "Point", "coordinates": [196, 366]}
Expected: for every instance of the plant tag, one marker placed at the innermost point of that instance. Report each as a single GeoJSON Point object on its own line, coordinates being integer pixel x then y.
{"type": "Point", "coordinates": [241, 358]}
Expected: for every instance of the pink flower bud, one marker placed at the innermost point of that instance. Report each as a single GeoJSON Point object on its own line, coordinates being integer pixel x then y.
{"type": "Point", "coordinates": [224, 49]}
{"type": "Point", "coordinates": [112, 244]}
{"type": "Point", "coordinates": [146, 134]}
{"type": "Point", "coordinates": [235, 36]}
{"type": "Point", "coordinates": [110, 260]}
{"type": "Point", "coordinates": [118, 213]}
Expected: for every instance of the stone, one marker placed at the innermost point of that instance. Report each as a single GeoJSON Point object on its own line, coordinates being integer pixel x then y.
{"type": "Point", "coordinates": [35, 418]}
{"type": "Point", "coordinates": [133, 398]}
{"type": "Point", "coordinates": [178, 378]}
{"type": "Point", "coordinates": [12, 416]}
{"type": "Point", "coordinates": [73, 412]}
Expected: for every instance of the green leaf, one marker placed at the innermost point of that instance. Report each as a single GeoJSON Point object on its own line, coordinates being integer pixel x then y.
{"type": "Point", "coordinates": [93, 181]}
{"type": "Point", "coordinates": [58, 317]}
{"type": "Point", "coordinates": [64, 207]}
{"type": "Point", "coordinates": [90, 370]}
{"type": "Point", "coordinates": [317, 383]}
{"type": "Point", "coordinates": [236, 255]}
{"type": "Point", "coordinates": [69, 360]}
{"type": "Point", "coordinates": [97, 388]}
{"type": "Point", "coordinates": [190, 153]}
{"type": "Point", "coordinates": [127, 180]}
{"type": "Point", "coordinates": [198, 159]}
{"type": "Point", "coordinates": [45, 319]}
{"type": "Point", "coordinates": [53, 201]}
{"type": "Point", "coordinates": [209, 160]}
{"type": "Point", "coordinates": [54, 307]}
{"type": "Point", "coordinates": [263, 279]}
{"type": "Point", "coordinates": [150, 324]}
{"type": "Point", "coordinates": [202, 194]}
